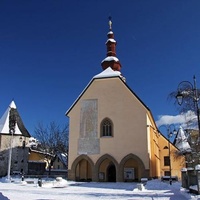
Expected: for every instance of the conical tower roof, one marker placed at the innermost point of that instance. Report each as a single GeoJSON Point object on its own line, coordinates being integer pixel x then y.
{"type": "Point", "coordinates": [181, 141]}
{"type": "Point", "coordinates": [4, 122]}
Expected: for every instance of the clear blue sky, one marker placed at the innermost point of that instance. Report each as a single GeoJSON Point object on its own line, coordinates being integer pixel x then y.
{"type": "Point", "coordinates": [51, 49]}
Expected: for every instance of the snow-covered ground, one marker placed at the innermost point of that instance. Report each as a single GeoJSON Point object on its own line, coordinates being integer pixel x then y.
{"type": "Point", "coordinates": [67, 190]}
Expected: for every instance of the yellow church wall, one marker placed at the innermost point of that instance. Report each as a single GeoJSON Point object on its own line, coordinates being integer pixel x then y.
{"type": "Point", "coordinates": [177, 162]}
{"type": "Point", "coordinates": [155, 157]}
{"type": "Point", "coordinates": [158, 151]}
{"type": "Point", "coordinates": [127, 114]}
{"type": "Point", "coordinates": [135, 131]}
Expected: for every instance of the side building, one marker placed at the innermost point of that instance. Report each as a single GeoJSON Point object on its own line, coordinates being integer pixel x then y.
{"type": "Point", "coordinates": [113, 136]}
{"type": "Point", "coordinates": [14, 138]}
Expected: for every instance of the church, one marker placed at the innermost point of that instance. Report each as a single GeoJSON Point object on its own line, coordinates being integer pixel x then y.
{"type": "Point", "coordinates": [112, 133]}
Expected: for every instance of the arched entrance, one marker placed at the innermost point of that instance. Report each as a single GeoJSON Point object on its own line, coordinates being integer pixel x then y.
{"type": "Point", "coordinates": [83, 171]}
{"type": "Point", "coordinates": [132, 168]}
{"type": "Point", "coordinates": [107, 169]}
{"type": "Point", "coordinates": [111, 173]}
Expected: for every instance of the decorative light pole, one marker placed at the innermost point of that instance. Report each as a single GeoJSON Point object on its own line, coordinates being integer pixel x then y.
{"type": "Point", "coordinates": [22, 140]}
{"type": "Point", "coordinates": [12, 123]}
{"type": "Point", "coordinates": [171, 130]}
{"type": "Point", "coordinates": [188, 91]}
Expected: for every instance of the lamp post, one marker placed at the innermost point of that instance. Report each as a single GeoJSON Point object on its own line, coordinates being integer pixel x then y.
{"type": "Point", "coordinates": [171, 130]}
{"type": "Point", "coordinates": [189, 93]}
{"type": "Point", "coordinates": [187, 90]}
{"type": "Point", "coordinates": [22, 140]}
{"type": "Point", "coordinates": [12, 123]}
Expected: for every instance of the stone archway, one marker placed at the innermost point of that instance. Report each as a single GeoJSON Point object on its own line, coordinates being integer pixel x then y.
{"type": "Point", "coordinates": [106, 168]}
{"type": "Point", "coordinates": [82, 169]}
{"type": "Point", "coordinates": [131, 168]}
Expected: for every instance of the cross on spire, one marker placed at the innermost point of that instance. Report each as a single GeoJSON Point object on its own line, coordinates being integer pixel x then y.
{"type": "Point", "coordinates": [110, 23]}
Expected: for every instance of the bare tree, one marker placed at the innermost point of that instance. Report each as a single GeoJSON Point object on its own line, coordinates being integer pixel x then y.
{"type": "Point", "coordinates": [53, 140]}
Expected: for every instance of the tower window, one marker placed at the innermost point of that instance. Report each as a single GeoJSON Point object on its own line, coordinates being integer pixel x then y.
{"type": "Point", "coordinates": [106, 127]}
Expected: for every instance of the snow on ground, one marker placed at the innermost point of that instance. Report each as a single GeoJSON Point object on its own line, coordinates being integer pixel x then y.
{"type": "Point", "coordinates": [68, 190]}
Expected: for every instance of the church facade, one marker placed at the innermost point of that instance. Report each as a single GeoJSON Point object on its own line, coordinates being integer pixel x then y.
{"type": "Point", "coordinates": [113, 136]}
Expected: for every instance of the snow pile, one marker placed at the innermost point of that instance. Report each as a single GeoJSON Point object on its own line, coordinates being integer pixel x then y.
{"type": "Point", "coordinates": [197, 167]}
{"type": "Point", "coordinates": [58, 183]}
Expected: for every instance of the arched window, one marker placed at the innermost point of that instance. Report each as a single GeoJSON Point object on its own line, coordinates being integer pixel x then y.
{"type": "Point", "coordinates": [106, 127]}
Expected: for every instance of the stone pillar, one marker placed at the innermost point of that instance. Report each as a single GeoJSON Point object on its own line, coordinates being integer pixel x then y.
{"type": "Point", "coordinates": [191, 176]}
{"type": "Point", "coordinates": [184, 178]}
{"type": "Point", "coordinates": [71, 175]}
{"type": "Point", "coordinates": [197, 169]}
{"type": "Point", "coordinates": [120, 177]}
{"type": "Point", "coordinates": [95, 175]}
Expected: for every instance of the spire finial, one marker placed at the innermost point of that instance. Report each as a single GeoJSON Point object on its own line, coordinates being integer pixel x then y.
{"type": "Point", "coordinates": [110, 23]}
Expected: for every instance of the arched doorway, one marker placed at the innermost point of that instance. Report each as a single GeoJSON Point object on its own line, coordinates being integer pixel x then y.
{"type": "Point", "coordinates": [107, 169]}
{"type": "Point", "coordinates": [83, 171]}
{"type": "Point", "coordinates": [132, 168]}
{"type": "Point", "coordinates": [111, 173]}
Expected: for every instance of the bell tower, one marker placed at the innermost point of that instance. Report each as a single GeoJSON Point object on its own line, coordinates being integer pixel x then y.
{"type": "Point", "coordinates": [111, 60]}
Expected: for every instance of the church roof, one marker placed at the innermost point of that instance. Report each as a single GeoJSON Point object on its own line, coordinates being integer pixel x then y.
{"type": "Point", "coordinates": [108, 73]}
{"type": "Point", "coordinates": [4, 122]}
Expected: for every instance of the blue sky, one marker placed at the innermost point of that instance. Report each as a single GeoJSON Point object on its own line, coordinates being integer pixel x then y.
{"type": "Point", "coordinates": [51, 49]}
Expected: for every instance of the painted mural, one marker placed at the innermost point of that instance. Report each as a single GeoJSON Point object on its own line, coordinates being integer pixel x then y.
{"type": "Point", "coordinates": [88, 142]}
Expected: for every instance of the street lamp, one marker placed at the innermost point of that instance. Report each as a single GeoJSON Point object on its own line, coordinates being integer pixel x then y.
{"type": "Point", "coordinates": [188, 93]}
{"type": "Point", "coordinates": [171, 130]}
{"type": "Point", "coordinates": [23, 157]}
{"type": "Point", "coordinates": [187, 90]}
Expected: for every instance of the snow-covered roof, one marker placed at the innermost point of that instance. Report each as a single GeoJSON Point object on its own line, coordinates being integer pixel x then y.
{"type": "Point", "coordinates": [12, 105]}
{"type": "Point", "coordinates": [4, 122]}
{"type": "Point", "coordinates": [110, 40]}
{"type": "Point", "coordinates": [110, 58]}
{"type": "Point", "coordinates": [109, 72]}
{"type": "Point", "coordinates": [110, 32]}
{"type": "Point", "coordinates": [181, 141]}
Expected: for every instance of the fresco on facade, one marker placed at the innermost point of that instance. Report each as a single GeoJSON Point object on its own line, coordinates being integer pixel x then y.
{"type": "Point", "coordinates": [88, 142]}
